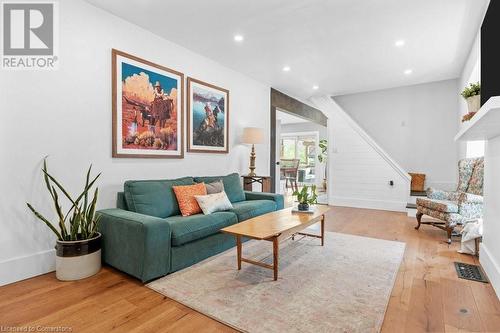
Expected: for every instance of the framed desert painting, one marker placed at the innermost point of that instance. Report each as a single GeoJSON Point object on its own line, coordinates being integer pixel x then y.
{"type": "Point", "coordinates": [147, 108]}
{"type": "Point", "coordinates": [208, 117]}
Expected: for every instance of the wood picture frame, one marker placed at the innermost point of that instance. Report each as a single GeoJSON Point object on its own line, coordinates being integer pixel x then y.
{"type": "Point", "coordinates": [146, 121]}
{"type": "Point", "coordinates": [204, 131]}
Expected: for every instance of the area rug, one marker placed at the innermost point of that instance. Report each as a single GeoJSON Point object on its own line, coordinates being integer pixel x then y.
{"type": "Point", "coordinates": [342, 287]}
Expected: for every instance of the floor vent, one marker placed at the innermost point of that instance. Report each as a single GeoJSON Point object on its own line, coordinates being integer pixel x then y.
{"type": "Point", "coordinates": [470, 272]}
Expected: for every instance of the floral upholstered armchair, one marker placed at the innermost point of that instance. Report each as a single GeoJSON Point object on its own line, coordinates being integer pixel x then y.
{"type": "Point", "coordinates": [458, 207]}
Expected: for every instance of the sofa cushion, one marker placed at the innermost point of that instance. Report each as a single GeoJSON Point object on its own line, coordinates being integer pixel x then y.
{"type": "Point", "coordinates": [232, 185]}
{"type": "Point", "coordinates": [154, 197]}
{"type": "Point", "coordinates": [444, 206]}
{"type": "Point", "coordinates": [186, 229]}
{"type": "Point", "coordinates": [251, 208]}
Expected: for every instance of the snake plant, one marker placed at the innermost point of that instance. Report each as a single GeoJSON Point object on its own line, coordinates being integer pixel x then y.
{"type": "Point", "coordinates": [79, 221]}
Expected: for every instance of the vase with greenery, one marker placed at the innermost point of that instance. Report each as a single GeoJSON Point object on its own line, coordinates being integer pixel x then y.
{"type": "Point", "coordinates": [78, 244]}
{"type": "Point", "coordinates": [306, 197]}
{"type": "Point", "coordinates": [322, 156]}
{"type": "Point", "coordinates": [472, 94]}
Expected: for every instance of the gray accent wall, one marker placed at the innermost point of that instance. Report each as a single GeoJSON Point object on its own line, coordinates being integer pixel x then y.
{"type": "Point", "coordinates": [414, 124]}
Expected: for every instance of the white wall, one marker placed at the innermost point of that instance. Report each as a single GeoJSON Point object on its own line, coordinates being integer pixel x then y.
{"type": "Point", "coordinates": [490, 248]}
{"type": "Point", "coordinates": [66, 114]}
{"type": "Point", "coordinates": [359, 170]}
{"type": "Point", "coordinates": [414, 124]}
{"type": "Point", "coordinates": [471, 73]}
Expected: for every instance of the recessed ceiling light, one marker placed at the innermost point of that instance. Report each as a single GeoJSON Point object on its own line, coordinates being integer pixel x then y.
{"type": "Point", "coordinates": [400, 43]}
{"type": "Point", "coordinates": [408, 71]}
{"type": "Point", "coordinates": [286, 68]}
{"type": "Point", "coordinates": [315, 87]}
{"type": "Point", "coordinates": [238, 38]}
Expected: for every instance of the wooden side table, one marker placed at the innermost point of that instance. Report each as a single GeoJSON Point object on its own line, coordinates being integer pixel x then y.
{"type": "Point", "coordinates": [265, 182]}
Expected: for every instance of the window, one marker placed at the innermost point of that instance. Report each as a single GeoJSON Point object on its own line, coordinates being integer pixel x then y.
{"type": "Point", "coordinates": [474, 149]}
{"type": "Point", "coordinates": [302, 147]}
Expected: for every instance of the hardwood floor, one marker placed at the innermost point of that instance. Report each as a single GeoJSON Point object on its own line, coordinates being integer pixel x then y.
{"type": "Point", "coordinates": [427, 296]}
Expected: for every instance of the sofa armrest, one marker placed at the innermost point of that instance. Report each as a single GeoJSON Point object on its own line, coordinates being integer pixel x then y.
{"type": "Point", "coordinates": [278, 198]}
{"type": "Point", "coordinates": [135, 243]}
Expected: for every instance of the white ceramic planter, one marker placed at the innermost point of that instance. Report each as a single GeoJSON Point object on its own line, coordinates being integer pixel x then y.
{"type": "Point", "coordinates": [474, 103]}
{"type": "Point", "coordinates": [77, 260]}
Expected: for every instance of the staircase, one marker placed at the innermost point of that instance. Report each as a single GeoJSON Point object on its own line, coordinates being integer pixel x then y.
{"type": "Point", "coordinates": [411, 206]}
{"type": "Point", "coordinates": [360, 173]}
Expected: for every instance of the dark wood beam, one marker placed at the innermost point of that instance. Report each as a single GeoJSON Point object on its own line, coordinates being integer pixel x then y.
{"type": "Point", "coordinates": [291, 105]}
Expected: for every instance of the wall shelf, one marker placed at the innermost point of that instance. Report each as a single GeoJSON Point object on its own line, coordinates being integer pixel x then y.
{"type": "Point", "coordinates": [484, 125]}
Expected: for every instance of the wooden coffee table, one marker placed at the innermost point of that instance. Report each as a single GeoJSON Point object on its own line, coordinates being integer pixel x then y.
{"type": "Point", "coordinates": [275, 227]}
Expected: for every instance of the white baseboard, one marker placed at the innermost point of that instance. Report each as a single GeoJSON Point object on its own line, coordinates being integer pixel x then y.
{"type": "Point", "coordinates": [490, 267]}
{"type": "Point", "coordinates": [20, 268]}
{"type": "Point", "coordinates": [395, 206]}
{"type": "Point", "coordinates": [411, 212]}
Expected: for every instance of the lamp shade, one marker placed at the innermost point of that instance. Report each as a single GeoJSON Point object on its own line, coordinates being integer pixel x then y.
{"type": "Point", "coordinates": [252, 135]}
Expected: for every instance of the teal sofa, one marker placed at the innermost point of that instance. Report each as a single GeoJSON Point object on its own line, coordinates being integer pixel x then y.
{"type": "Point", "coordinates": [146, 237]}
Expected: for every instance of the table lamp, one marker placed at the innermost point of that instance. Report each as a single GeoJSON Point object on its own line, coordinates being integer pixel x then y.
{"type": "Point", "coordinates": [253, 136]}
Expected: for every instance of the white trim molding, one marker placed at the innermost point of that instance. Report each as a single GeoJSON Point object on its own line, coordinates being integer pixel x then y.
{"type": "Point", "coordinates": [20, 268]}
{"type": "Point", "coordinates": [490, 267]}
{"type": "Point", "coordinates": [395, 206]}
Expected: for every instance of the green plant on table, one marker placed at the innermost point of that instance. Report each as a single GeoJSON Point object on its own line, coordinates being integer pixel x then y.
{"type": "Point", "coordinates": [78, 222]}
{"type": "Point", "coordinates": [306, 197]}
{"type": "Point", "coordinates": [472, 90]}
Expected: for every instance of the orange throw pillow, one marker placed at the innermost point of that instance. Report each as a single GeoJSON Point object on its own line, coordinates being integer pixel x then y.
{"type": "Point", "coordinates": [185, 197]}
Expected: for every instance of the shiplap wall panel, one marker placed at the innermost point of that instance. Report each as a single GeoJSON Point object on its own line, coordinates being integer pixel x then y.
{"type": "Point", "coordinates": [359, 170]}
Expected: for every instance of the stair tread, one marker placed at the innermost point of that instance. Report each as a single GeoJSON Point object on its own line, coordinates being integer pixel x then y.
{"type": "Point", "coordinates": [418, 193]}
{"type": "Point", "coordinates": [411, 205]}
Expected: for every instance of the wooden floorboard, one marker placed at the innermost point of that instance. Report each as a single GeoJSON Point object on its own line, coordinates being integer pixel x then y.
{"type": "Point", "coordinates": [427, 296]}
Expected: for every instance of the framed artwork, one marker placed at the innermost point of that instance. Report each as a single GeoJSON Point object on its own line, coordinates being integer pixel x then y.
{"type": "Point", "coordinates": [208, 117]}
{"type": "Point", "coordinates": [148, 117]}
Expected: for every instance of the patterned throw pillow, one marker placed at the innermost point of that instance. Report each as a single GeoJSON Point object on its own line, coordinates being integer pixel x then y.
{"type": "Point", "coordinates": [185, 197]}
{"type": "Point", "coordinates": [215, 187]}
{"type": "Point", "coordinates": [213, 202]}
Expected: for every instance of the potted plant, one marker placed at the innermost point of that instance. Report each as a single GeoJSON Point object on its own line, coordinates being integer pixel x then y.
{"type": "Point", "coordinates": [472, 95]}
{"type": "Point", "coordinates": [78, 244]}
{"type": "Point", "coordinates": [323, 145]}
{"type": "Point", "coordinates": [305, 198]}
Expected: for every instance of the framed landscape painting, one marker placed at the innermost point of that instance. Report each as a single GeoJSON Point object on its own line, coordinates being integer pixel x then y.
{"type": "Point", "coordinates": [208, 117]}
{"type": "Point", "coordinates": [148, 115]}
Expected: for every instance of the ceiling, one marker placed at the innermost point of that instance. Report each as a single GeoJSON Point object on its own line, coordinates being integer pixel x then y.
{"type": "Point", "coordinates": [343, 46]}
{"type": "Point", "coordinates": [287, 118]}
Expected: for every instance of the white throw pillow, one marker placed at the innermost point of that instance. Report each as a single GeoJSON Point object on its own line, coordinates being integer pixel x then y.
{"type": "Point", "coordinates": [213, 202]}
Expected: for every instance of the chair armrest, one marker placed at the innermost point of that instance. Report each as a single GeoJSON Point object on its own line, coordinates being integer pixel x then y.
{"type": "Point", "coordinates": [135, 243]}
{"type": "Point", "coordinates": [470, 206]}
{"type": "Point", "coordinates": [433, 193]}
{"type": "Point", "coordinates": [470, 198]}
{"type": "Point", "coordinates": [277, 198]}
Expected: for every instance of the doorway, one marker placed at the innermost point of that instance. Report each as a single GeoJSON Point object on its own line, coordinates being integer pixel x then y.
{"type": "Point", "coordinates": [298, 147]}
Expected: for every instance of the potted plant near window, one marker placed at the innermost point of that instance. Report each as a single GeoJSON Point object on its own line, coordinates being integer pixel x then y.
{"type": "Point", "coordinates": [323, 145]}
{"type": "Point", "coordinates": [78, 244]}
{"type": "Point", "coordinates": [306, 198]}
{"type": "Point", "coordinates": [472, 95]}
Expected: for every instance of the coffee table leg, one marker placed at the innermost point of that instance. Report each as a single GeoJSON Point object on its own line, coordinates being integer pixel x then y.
{"type": "Point", "coordinates": [322, 230]}
{"type": "Point", "coordinates": [275, 257]}
{"type": "Point", "coordinates": [238, 249]}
